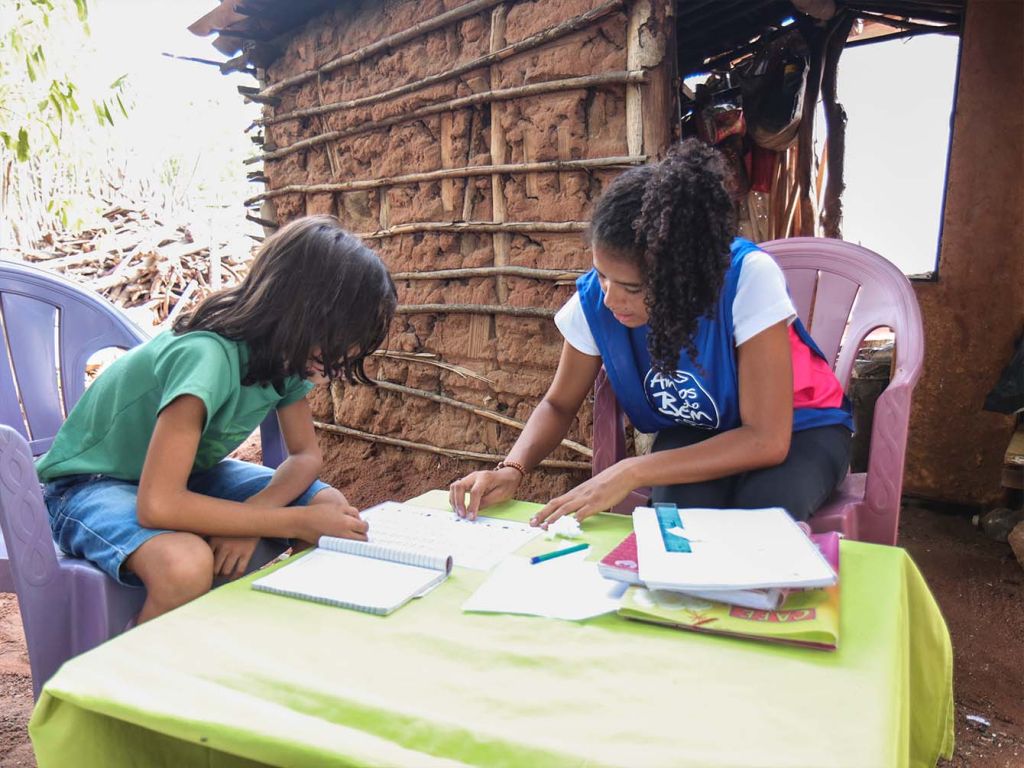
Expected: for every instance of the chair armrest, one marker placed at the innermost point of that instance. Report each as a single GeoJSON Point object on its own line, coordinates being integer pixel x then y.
{"type": "Point", "coordinates": [879, 517]}
{"type": "Point", "coordinates": [609, 438]}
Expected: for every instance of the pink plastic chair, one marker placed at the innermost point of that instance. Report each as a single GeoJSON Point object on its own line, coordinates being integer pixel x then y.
{"type": "Point", "coordinates": [842, 292]}
{"type": "Point", "coordinates": [50, 329]}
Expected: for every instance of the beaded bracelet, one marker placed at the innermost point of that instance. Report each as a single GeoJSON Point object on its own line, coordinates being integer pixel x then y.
{"type": "Point", "coordinates": [513, 464]}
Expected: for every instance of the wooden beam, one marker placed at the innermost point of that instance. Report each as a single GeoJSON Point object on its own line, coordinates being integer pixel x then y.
{"type": "Point", "coordinates": [486, 458]}
{"type": "Point", "coordinates": [650, 118]}
{"type": "Point", "coordinates": [473, 309]}
{"type": "Point", "coordinates": [476, 226]}
{"type": "Point", "coordinates": [483, 413]}
{"type": "Point", "coordinates": [556, 166]}
{"type": "Point", "coordinates": [463, 273]}
{"type": "Point", "coordinates": [497, 54]}
{"type": "Point", "coordinates": [534, 89]}
{"type": "Point", "coordinates": [385, 44]}
{"type": "Point", "coordinates": [501, 242]}
{"type": "Point", "coordinates": [835, 122]}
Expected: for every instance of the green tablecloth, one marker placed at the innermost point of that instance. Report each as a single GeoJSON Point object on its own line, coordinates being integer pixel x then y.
{"type": "Point", "coordinates": [241, 678]}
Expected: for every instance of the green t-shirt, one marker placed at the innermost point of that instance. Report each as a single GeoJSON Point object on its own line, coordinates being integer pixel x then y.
{"type": "Point", "coordinates": [109, 430]}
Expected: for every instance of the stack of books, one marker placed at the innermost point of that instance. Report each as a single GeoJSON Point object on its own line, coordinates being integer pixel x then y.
{"type": "Point", "coordinates": [749, 573]}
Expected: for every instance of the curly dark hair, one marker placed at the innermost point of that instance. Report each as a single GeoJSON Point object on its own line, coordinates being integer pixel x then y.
{"type": "Point", "coordinates": [676, 221]}
{"type": "Point", "coordinates": [311, 285]}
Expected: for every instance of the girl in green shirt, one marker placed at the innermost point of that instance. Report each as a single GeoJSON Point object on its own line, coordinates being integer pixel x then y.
{"type": "Point", "coordinates": [137, 480]}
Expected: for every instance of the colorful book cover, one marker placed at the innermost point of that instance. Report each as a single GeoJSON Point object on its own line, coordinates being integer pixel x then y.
{"type": "Point", "coordinates": [621, 563]}
{"type": "Point", "coordinates": [807, 618]}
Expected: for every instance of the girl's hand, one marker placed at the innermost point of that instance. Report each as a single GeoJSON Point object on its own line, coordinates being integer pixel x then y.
{"type": "Point", "coordinates": [231, 554]}
{"type": "Point", "coordinates": [484, 489]}
{"type": "Point", "coordinates": [598, 494]}
{"type": "Point", "coordinates": [339, 519]}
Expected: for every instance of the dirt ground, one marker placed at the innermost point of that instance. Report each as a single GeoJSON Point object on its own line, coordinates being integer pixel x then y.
{"type": "Point", "coordinates": [977, 582]}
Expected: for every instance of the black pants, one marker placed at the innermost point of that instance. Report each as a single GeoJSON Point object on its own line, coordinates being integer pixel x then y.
{"type": "Point", "coordinates": [818, 461]}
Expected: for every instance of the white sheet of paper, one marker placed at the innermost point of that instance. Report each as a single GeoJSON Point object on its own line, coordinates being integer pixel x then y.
{"type": "Point", "coordinates": [564, 588]}
{"type": "Point", "coordinates": [478, 544]}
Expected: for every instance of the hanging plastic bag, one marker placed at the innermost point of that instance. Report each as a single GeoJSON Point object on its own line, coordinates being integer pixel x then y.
{"type": "Point", "coordinates": [773, 82]}
{"type": "Point", "coordinates": [719, 110]}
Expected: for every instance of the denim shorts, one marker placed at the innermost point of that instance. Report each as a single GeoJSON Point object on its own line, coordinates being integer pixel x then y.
{"type": "Point", "coordinates": [94, 516]}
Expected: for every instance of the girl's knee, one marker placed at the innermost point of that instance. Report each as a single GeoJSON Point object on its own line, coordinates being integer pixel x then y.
{"type": "Point", "coordinates": [175, 567]}
{"type": "Point", "coordinates": [328, 496]}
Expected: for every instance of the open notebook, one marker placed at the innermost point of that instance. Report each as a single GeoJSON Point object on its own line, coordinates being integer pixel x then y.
{"type": "Point", "coordinates": [356, 574]}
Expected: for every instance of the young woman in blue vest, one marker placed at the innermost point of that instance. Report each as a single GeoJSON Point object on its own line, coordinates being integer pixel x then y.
{"type": "Point", "coordinates": [701, 344]}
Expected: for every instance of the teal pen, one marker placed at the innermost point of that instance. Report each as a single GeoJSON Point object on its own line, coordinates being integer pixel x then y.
{"type": "Point", "coordinates": [558, 553]}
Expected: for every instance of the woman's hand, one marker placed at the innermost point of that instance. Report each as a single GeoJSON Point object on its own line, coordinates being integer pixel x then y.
{"type": "Point", "coordinates": [231, 554]}
{"type": "Point", "coordinates": [484, 488]}
{"type": "Point", "coordinates": [598, 494]}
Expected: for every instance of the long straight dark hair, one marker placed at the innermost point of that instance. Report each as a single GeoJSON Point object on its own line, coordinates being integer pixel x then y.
{"type": "Point", "coordinates": [311, 285]}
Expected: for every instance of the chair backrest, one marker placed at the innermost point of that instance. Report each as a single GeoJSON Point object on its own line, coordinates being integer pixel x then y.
{"type": "Point", "coordinates": [842, 293]}
{"type": "Point", "coordinates": [51, 328]}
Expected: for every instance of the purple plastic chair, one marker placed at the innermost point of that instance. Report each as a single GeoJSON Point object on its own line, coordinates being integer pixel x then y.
{"type": "Point", "coordinates": [842, 292]}
{"type": "Point", "coordinates": [50, 329]}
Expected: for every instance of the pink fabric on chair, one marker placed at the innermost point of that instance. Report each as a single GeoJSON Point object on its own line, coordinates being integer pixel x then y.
{"type": "Point", "coordinates": [842, 293]}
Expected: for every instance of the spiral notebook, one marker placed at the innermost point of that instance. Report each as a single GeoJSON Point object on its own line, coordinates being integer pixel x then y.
{"type": "Point", "coordinates": [359, 575]}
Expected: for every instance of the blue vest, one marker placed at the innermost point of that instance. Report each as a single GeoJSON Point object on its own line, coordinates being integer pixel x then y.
{"type": "Point", "coordinates": [703, 393]}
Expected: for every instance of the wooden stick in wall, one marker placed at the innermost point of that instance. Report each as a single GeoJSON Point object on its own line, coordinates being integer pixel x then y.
{"type": "Point", "coordinates": [447, 161]}
{"type": "Point", "coordinates": [487, 458]}
{"type": "Point", "coordinates": [462, 273]}
{"type": "Point", "coordinates": [559, 166]}
{"type": "Point", "coordinates": [534, 89]}
{"type": "Point", "coordinates": [428, 358]}
{"type": "Point", "coordinates": [476, 226]}
{"type": "Point", "coordinates": [497, 54]}
{"type": "Point", "coordinates": [499, 150]}
{"type": "Point", "coordinates": [483, 413]}
{"type": "Point", "coordinates": [473, 309]}
{"type": "Point", "coordinates": [384, 44]}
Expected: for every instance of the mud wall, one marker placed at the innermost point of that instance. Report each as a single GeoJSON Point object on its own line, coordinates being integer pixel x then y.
{"type": "Point", "coordinates": [511, 358]}
{"type": "Point", "coordinates": [975, 310]}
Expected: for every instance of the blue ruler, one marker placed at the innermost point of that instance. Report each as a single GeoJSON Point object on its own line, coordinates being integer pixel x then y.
{"type": "Point", "coordinates": [668, 517]}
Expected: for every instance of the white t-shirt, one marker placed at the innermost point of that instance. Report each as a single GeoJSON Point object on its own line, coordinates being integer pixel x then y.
{"type": "Point", "coordinates": [761, 301]}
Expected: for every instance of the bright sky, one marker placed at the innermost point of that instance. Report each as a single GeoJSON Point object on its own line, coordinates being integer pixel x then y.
{"type": "Point", "coordinates": [185, 114]}
{"type": "Point", "coordinates": [899, 98]}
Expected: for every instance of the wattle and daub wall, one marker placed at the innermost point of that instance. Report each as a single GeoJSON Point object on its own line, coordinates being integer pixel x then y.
{"type": "Point", "coordinates": [525, 109]}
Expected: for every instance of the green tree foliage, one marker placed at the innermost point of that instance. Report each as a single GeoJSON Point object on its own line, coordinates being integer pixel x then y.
{"type": "Point", "coordinates": [41, 112]}
{"type": "Point", "coordinates": [37, 96]}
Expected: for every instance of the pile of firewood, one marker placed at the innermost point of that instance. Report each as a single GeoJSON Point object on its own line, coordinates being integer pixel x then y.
{"type": "Point", "coordinates": [151, 269]}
